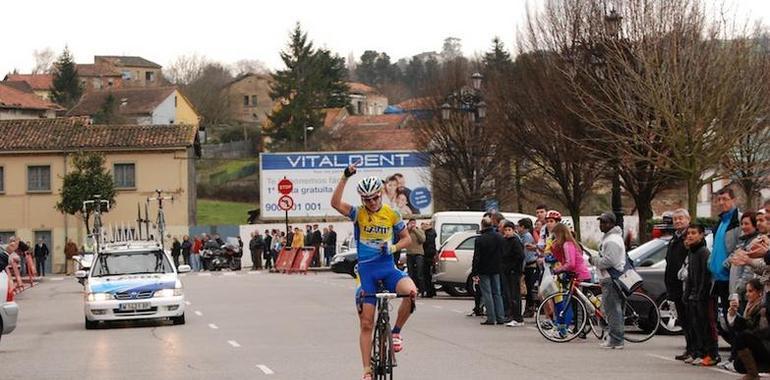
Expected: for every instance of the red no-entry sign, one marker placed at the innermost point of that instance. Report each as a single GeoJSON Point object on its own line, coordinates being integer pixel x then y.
{"type": "Point", "coordinates": [285, 186]}
{"type": "Point", "coordinates": [285, 203]}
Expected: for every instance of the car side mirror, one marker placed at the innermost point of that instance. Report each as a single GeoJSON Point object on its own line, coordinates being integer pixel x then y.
{"type": "Point", "coordinates": [81, 274]}
{"type": "Point", "coordinates": [183, 268]}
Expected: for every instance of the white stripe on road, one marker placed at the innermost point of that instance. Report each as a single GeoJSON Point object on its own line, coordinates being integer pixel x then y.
{"type": "Point", "coordinates": [457, 311]}
{"type": "Point", "coordinates": [233, 343]}
{"type": "Point", "coordinates": [213, 326]}
{"type": "Point", "coordinates": [198, 313]}
{"type": "Point", "coordinates": [437, 306]}
{"type": "Point", "coordinates": [229, 274]}
{"type": "Point", "coordinates": [187, 303]}
{"type": "Point", "coordinates": [204, 274]}
{"type": "Point", "coordinates": [264, 369]}
{"type": "Point", "coordinates": [56, 278]}
{"type": "Point", "coordinates": [661, 357]}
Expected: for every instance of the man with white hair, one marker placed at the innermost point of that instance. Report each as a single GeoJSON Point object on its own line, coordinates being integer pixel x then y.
{"type": "Point", "coordinates": [676, 254]}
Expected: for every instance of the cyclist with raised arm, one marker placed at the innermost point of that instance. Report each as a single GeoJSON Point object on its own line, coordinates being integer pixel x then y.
{"type": "Point", "coordinates": [375, 226]}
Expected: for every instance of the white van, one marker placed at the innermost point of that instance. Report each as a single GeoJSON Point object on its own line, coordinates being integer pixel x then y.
{"type": "Point", "coordinates": [447, 223]}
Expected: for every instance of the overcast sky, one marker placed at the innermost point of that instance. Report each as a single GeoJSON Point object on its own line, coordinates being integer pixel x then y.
{"type": "Point", "coordinates": [230, 30]}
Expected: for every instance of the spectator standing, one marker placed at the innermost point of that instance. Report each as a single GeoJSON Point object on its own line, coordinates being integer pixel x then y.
{"type": "Point", "coordinates": [612, 256]}
{"type": "Point", "coordinates": [290, 236]}
{"type": "Point", "coordinates": [308, 236]}
{"type": "Point", "coordinates": [750, 326]}
{"type": "Point", "coordinates": [70, 250]}
{"type": "Point", "coordinates": [531, 269]}
{"type": "Point", "coordinates": [316, 241]}
{"type": "Point", "coordinates": [22, 251]}
{"type": "Point", "coordinates": [415, 258]}
{"type": "Point", "coordinates": [330, 244]}
{"type": "Point", "coordinates": [41, 254]}
{"type": "Point", "coordinates": [196, 253]}
{"type": "Point", "coordinates": [186, 249]}
{"type": "Point", "coordinates": [512, 268]}
{"type": "Point", "coordinates": [676, 254]}
{"type": "Point", "coordinates": [487, 254]}
{"type": "Point", "coordinates": [429, 250]}
{"type": "Point", "coordinates": [267, 254]}
{"type": "Point", "coordinates": [540, 212]}
{"type": "Point", "coordinates": [256, 246]}
{"type": "Point", "coordinates": [725, 240]}
{"type": "Point", "coordinates": [176, 250]}
{"type": "Point", "coordinates": [696, 294]}
{"type": "Point", "coordinates": [298, 239]}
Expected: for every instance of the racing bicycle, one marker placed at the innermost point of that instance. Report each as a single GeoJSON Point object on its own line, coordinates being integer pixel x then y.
{"type": "Point", "coordinates": [383, 356]}
{"type": "Point", "coordinates": [575, 311]}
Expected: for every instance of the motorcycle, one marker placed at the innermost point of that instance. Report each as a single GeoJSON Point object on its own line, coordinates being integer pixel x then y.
{"type": "Point", "coordinates": [226, 256]}
{"type": "Point", "coordinates": [83, 262]}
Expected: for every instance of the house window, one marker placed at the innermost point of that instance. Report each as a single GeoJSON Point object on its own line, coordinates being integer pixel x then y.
{"type": "Point", "coordinates": [253, 100]}
{"type": "Point", "coordinates": [39, 178]}
{"type": "Point", "coordinates": [175, 101]}
{"type": "Point", "coordinates": [124, 176]}
{"type": "Point", "coordinates": [109, 83]}
{"type": "Point", "coordinates": [245, 100]}
{"type": "Point", "coordinates": [149, 76]}
{"type": "Point", "coordinates": [126, 75]}
{"type": "Point", "coordinates": [97, 83]}
{"type": "Point", "coordinates": [2, 179]}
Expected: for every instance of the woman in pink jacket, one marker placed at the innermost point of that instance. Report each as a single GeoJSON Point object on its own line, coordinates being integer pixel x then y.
{"type": "Point", "coordinates": [568, 254]}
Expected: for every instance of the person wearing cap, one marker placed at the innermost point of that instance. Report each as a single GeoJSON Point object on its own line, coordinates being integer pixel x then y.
{"type": "Point", "coordinates": [612, 254]}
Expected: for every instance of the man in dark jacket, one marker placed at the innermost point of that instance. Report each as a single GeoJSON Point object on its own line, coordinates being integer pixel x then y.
{"type": "Point", "coordinates": [487, 254]}
{"type": "Point", "coordinates": [267, 254]}
{"type": "Point", "coordinates": [330, 244]}
{"type": "Point", "coordinates": [697, 288]}
{"type": "Point", "coordinates": [186, 249]}
{"type": "Point", "coordinates": [290, 237]}
{"type": "Point", "coordinates": [256, 245]}
{"type": "Point", "coordinates": [176, 250]}
{"type": "Point", "coordinates": [429, 252]}
{"type": "Point", "coordinates": [41, 254]}
{"type": "Point", "coordinates": [676, 254]}
{"type": "Point", "coordinates": [512, 269]}
{"type": "Point", "coordinates": [316, 240]}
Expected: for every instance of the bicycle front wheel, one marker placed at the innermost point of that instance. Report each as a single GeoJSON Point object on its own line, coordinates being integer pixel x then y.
{"type": "Point", "coordinates": [641, 318]}
{"type": "Point", "coordinates": [561, 317]}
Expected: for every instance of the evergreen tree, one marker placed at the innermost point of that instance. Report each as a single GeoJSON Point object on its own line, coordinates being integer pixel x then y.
{"type": "Point", "coordinates": [366, 71]}
{"type": "Point", "coordinates": [67, 88]}
{"type": "Point", "coordinates": [88, 178]}
{"type": "Point", "coordinates": [498, 60]}
{"type": "Point", "coordinates": [432, 70]}
{"type": "Point", "coordinates": [109, 112]}
{"type": "Point", "coordinates": [414, 75]}
{"type": "Point", "coordinates": [386, 72]}
{"type": "Point", "coordinates": [312, 80]}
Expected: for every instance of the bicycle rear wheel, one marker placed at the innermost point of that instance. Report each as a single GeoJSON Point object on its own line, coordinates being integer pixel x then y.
{"type": "Point", "coordinates": [598, 325]}
{"type": "Point", "coordinates": [382, 349]}
{"type": "Point", "coordinates": [568, 319]}
{"type": "Point", "coordinates": [641, 317]}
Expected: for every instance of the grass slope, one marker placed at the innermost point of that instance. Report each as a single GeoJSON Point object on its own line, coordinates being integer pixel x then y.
{"type": "Point", "coordinates": [212, 212]}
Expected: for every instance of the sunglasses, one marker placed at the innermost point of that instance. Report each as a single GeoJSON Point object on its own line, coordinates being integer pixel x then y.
{"type": "Point", "coordinates": [371, 199]}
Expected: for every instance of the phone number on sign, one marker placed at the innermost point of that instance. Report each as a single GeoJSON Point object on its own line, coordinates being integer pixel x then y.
{"type": "Point", "coordinates": [297, 207]}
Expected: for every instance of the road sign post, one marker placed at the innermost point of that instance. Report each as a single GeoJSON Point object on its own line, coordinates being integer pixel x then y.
{"type": "Point", "coordinates": [285, 202]}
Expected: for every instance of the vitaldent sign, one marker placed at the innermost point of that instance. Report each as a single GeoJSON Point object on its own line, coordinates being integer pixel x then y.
{"type": "Point", "coordinates": [406, 176]}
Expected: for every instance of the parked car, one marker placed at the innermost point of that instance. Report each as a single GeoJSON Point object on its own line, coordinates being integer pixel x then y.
{"type": "Point", "coordinates": [9, 310]}
{"type": "Point", "coordinates": [345, 262]}
{"type": "Point", "coordinates": [447, 223]}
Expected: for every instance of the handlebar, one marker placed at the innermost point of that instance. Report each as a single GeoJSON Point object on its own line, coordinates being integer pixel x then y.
{"type": "Point", "coordinates": [386, 295]}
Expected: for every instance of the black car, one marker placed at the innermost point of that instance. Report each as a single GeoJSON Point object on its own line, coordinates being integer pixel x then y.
{"type": "Point", "coordinates": [345, 262]}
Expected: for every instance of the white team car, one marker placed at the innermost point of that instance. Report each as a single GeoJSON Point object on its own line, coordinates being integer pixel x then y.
{"type": "Point", "coordinates": [133, 280]}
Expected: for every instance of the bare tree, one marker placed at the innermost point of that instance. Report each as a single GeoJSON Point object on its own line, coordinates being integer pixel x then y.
{"type": "Point", "coordinates": [44, 60]}
{"type": "Point", "coordinates": [249, 66]}
{"type": "Point", "coordinates": [748, 164]}
{"type": "Point", "coordinates": [185, 69]}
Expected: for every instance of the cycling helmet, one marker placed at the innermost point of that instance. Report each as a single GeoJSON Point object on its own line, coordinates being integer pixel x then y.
{"type": "Point", "coordinates": [553, 214]}
{"type": "Point", "coordinates": [568, 223]}
{"type": "Point", "coordinates": [370, 186]}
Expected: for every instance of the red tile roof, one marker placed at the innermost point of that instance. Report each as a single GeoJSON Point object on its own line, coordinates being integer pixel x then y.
{"type": "Point", "coordinates": [40, 82]}
{"type": "Point", "coordinates": [11, 98]}
{"type": "Point", "coordinates": [133, 101]}
{"type": "Point", "coordinates": [361, 88]}
{"type": "Point", "coordinates": [65, 134]}
{"type": "Point", "coordinates": [333, 116]}
{"type": "Point", "coordinates": [425, 103]}
{"type": "Point", "coordinates": [380, 132]}
{"type": "Point", "coordinates": [97, 70]}
{"type": "Point", "coordinates": [126, 61]}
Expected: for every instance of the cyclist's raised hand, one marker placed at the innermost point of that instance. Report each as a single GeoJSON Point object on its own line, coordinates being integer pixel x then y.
{"type": "Point", "coordinates": [352, 169]}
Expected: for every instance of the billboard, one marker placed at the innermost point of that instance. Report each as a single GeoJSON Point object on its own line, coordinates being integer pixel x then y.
{"type": "Point", "coordinates": [315, 175]}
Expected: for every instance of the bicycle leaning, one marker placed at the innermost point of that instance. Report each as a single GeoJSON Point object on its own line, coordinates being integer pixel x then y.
{"type": "Point", "coordinates": [562, 316]}
{"type": "Point", "coordinates": [383, 355]}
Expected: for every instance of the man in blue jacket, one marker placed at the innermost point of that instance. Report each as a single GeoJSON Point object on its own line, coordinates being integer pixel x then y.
{"type": "Point", "coordinates": [726, 236]}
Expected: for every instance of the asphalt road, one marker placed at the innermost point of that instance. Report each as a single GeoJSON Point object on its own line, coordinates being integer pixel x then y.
{"type": "Point", "coordinates": [254, 325]}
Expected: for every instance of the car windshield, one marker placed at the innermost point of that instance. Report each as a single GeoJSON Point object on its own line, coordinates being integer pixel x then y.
{"type": "Point", "coordinates": [653, 250]}
{"type": "Point", "coordinates": [131, 263]}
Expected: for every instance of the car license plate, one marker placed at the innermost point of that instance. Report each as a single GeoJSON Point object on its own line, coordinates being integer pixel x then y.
{"type": "Point", "coordinates": [135, 306]}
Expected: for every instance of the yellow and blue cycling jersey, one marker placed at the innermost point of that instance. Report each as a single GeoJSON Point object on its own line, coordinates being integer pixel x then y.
{"type": "Point", "coordinates": [374, 232]}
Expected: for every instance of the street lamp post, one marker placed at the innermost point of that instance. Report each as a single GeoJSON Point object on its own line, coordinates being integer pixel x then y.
{"type": "Point", "coordinates": [304, 139]}
{"type": "Point", "coordinates": [612, 22]}
{"type": "Point", "coordinates": [469, 101]}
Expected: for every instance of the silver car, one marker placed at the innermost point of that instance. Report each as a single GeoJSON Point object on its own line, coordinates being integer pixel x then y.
{"type": "Point", "coordinates": [9, 310]}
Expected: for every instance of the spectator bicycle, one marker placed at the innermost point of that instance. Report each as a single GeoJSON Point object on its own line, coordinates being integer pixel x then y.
{"type": "Point", "coordinates": [574, 308]}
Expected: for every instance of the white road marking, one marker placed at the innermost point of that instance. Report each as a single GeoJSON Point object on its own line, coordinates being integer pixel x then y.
{"type": "Point", "coordinates": [198, 313]}
{"type": "Point", "coordinates": [57, 278]}
{"type": "Point", "coordinates": [457, 311]}
{"type": "Point", "coordinates": [213, 326]}
{"type": "Point", "coordinates": [437, 306]}
{"type": "Point", "coordinates": [233, 343]}
{"type": "Point", "coordinates": [187, 303]}
{"type": "Point", "coordinates": [420, 303]}
{"type": "Point", "coordinates": [204, 274]}
{"type": "Point", "coordinates": [229, 274]}
{"type": "Point", "coordinates": [661, 357]}
{"type": "Point", "coordinates": [711, 368]}
{"type": "Point", "coordinates": [267, 371]}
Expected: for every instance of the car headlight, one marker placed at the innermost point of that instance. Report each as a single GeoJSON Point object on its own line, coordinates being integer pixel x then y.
{"type": "Point", "coordinates": [177, 291]}
{"type": "Point", "coordinates": [96, 297]}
